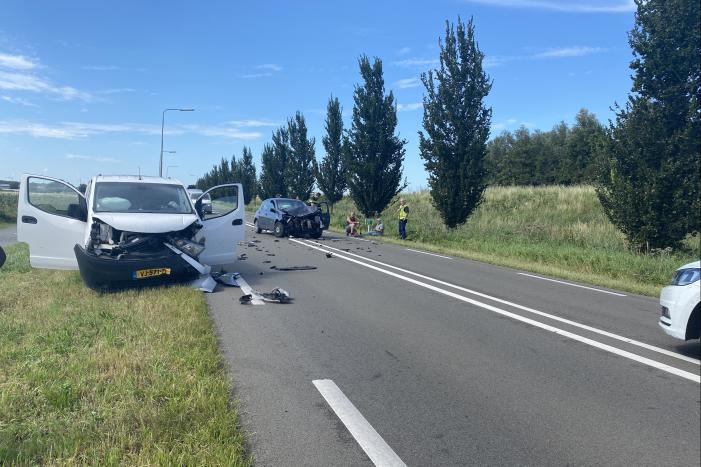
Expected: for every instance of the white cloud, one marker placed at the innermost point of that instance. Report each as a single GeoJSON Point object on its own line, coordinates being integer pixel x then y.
{"type": "Point", "coordinates": [80, 130]}
{"type": "Point", "coordinates": [252, 123]}
{"type": "Point", "coordinates": [17, 62]}
{"type": "Point", "coordinates": [403, 51]}
{"type": "Point", "coordinates": [408, 83]}
{"type": "Point", "coordinates": [100, 67]}
{"type": "Point", "coordinates": [12, 81]}
{"type": "Point", "coordinates": [562, 52]}
{"type": "Point", "coordinates": [18, 100]}
{"type": "Point", "coordinates": [417, 62]}
{"type": "Point", "coordinates": [510, 123]}
{"type": "Point", "coordinates": [553, 53]}
{"type": "Point", "coordinates": [270, 67]}
{"type": "Point", "coordinates": [591, 6]}
{"type": "Point", "coordinates": [409, 107]}
{"type": "Point", "coordinates": [257, 75]}
{"type": "Point", "coordinates": [111, 160]}
{"type": "Point", "coordinates": [116, 90]}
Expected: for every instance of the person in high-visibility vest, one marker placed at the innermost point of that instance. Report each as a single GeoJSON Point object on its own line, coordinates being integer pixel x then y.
{"type": "Point", "coordinates": [403, 212]}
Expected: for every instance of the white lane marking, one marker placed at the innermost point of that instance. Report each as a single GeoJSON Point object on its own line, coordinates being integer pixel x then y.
{"type": "Point", "coordinates": [372, 443]}
{"type": "Point", "coordinates": [427, 253]}
{"type": "Point", "coordinates": [627, 340]}
{"type": "Point", "coordinates": [249, 224]}
{"type": "Point", "coordinates": [248, 290]}
{"type": "Point", "coordinates": [573, 285]}
{"type": "Point", "coordinates": [532, 322]}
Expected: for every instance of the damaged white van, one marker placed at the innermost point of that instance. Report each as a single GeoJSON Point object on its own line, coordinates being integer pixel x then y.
{"type": "Point", "coordinates": [128, 230]}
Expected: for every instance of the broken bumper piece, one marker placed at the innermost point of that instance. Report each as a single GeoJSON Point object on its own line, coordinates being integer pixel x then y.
{"type": "Point", "coordinates": [108, 273]}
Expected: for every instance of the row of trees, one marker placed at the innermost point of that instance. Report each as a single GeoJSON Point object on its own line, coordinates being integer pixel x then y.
{"type": "Point", "coordinates": [645, 165]}
{"type": "Point", "coordinates": [241, 170]}
{"type": "Point", "coordinates": [562, 156]}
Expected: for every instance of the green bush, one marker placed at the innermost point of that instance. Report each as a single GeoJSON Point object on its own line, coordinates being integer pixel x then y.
{"type": "Point", "coordinates": [8, 207]}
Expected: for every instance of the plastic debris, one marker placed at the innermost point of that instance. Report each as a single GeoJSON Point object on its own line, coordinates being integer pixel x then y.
{"type": "Point", "coordinates": [276, 295]}
{"type": "Point", "coordinates": [243, 257]}
{"type": "Point", "coordinates": [227, 278]}
{"type": "Point", "coordinates": [293, 268]}
{"type": "Point", "coordinates": [329, 255]}
{"type": "Point", "coordinates": [204, 283]}
{"type": "Point", "coordinates": [246, 298]}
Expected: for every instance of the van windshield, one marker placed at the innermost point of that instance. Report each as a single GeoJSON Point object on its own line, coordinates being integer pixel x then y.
{"type": "Point", "coordinates": [141, 197]}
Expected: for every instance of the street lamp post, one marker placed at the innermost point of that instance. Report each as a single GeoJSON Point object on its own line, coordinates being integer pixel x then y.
{"type": "Point", "coordinates": [163, 122]}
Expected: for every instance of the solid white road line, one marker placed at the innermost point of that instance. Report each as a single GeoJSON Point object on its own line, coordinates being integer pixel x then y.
{"type": "Point", "coordinates": [372, 443]}
{"type": "Point", "coordinates": [614, 350]}
{"type": "Point", "coordinates": [627, 340]}
{"type": "Point", "coordinates": [573, 285]}
{"type": "Point", "coordinates": [427, 253]}
{"type": "Point", "coordinates": [250, 225]}
{"type": "Point", "coordinates": [257, 299]}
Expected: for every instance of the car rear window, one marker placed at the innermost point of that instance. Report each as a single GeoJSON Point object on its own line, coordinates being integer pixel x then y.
{"type": "Point", "coordinates": [141, 197]}
{"type": "Point", "coordinates": [289, 203]}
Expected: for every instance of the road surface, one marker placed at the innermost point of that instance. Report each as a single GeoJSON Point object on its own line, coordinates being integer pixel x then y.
{"type": "Point", "coordinates": [389, 356]}
{"type": "Point", "coordinates": [8, 235]}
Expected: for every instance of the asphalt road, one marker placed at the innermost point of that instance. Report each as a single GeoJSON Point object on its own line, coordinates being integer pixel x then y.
{"type": "Point", "coordinates": [452, 362]}
{"type": "Point", "coordinates": [8, 235]}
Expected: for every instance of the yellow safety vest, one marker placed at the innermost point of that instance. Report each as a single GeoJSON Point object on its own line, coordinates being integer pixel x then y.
{"type": "Point", "coordinates": [403, 212]}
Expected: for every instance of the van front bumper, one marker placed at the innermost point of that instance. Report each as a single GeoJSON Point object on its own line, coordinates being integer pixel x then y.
{"type": "Point", "coordinates": [107, 273]}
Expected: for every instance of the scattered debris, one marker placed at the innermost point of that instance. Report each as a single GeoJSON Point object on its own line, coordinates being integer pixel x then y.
{"type": "Point", "coordinates": [276, 295]}
{"type": "Point", "coordinates": [251, 244]}
{"type": "Point", "coordinates": [246, 298]}
{"type": "Point", "coordinates": [276, 240]}
{"type": "Point", "coordinates": [270, 254]}
{"type": "Point", "coordinates": [266, 261]}
{"type": "Point", "coordinates": [204, 283]}
{"type": "Point", "coordinates": [227, 278]}
{"type": "Point", "coordinates": [293, 268]}
{"type": "Point", "coordinates": [329, 255]}
{"type": "Point", "coordinates": [260, 273]}
{"type": "Point", "coordinates": [243, 257]}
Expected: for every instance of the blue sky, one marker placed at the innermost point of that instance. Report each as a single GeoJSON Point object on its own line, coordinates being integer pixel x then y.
{"type": "Point", "coordinates": [83, 83]}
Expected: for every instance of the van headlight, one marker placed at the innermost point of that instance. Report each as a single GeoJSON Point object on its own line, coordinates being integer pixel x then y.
{"type": "Point", "coordinates": [686, 276]}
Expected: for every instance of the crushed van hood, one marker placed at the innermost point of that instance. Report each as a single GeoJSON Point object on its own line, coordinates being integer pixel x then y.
{"type": "Point", "coordinates": [146, 223]}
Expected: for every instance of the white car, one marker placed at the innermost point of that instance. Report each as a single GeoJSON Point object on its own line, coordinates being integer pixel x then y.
{"type": "Point", "coordinates": [195, 194]}
{"type": "Point", "coordinates": [681, 314]}
{"type": "Point", "coordinates": [128, 230]}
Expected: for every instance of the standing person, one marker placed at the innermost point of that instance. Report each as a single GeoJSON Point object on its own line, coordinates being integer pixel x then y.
{"type": "Point", "coordinates": [403, 218]}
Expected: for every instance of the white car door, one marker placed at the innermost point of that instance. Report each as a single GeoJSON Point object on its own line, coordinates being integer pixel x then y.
{"type": "Point", "coordinates": [224, 226]}
{"type": "Point", "coordinates": [51, 218]}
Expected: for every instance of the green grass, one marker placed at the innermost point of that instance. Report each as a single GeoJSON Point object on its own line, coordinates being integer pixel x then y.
{"type": "Point", "coordinates": [559, 231]}
{"type": "Point", "coordinates": [129, 378]}
{"type": "Point", "coordinates": [8, 207]}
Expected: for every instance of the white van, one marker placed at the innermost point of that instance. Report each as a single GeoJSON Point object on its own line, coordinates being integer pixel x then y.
{"type": "Point", "coordinates": [128, 230]}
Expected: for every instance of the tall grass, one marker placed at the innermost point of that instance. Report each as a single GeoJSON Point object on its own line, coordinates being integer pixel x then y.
{"type": "Point", "coordinates": [8, 207]}
{"type": "Point", "coordinates": [553, 230]}
{"type": "Point", "coordinates": [130, 378]}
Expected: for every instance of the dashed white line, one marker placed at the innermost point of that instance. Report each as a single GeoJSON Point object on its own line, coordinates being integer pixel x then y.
{"type": "Point", "coordinates": [427, 253]}
{"type": "Point", "coordinates": [573, 285]}
{"type": "Point", "coordinates": [585, 340]}
{"type": "Point", "coordinates": [627, 340]}
{"type": "Point", "coordinates": [365, 435]}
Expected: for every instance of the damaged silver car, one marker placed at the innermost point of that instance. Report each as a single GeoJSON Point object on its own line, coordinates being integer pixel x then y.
{"type": "Point", "coordinates": [128, 230]}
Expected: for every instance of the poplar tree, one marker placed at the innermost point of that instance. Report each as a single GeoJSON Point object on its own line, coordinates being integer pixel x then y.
{"type": "Point", "coordinates": [649, 180]}
{"type": "Point", "coordinates": [272, 181]}
{"type": "Point", "coordinates": [375, 154]}
{"type": "Point", "coordinates": [301, 162]}
{"type": "Point", "coordinates": [456, 121]}
{"type": "Point", "coordinates": [331, 173]}
{"type": "Point", "coordinates": [246, 172]}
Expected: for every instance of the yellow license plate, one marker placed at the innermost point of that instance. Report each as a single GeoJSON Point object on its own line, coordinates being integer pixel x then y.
{"type": "Point", "coordinates": [146, 273]}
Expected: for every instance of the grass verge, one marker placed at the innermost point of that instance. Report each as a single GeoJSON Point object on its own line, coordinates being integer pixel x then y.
{"type": "Point", "coordinates": [133, 377]}
{"type": "Point", "coordinates": [558, 231]}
